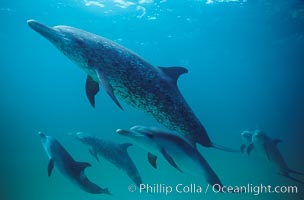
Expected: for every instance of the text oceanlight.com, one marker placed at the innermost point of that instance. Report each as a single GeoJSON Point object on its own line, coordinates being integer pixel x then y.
{"type": "Point", "coordinates": [200, 189]}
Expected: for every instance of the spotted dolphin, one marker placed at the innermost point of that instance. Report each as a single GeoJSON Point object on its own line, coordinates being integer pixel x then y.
{"type": "Point", "coordinates": [116, 154]}
{"type": "Point", "coordinates": [246, 140]}
{"type": "Point", "coordinates": [126, 75]}
{"type": "Point", "coordinates": [177, 151]}
{"type": "Point", "coordinates": [263, 145]}
{"type": "Point", "coordinates": [70, 168]}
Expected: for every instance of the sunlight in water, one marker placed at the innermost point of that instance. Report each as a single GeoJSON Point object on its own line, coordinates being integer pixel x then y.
{"type": "Point", "coordinates": [116, 6]}
{"type": "Point", "coordinates": [224, 1]}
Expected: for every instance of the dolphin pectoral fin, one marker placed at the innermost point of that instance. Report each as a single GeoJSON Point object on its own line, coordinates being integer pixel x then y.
{"type": "Point", "coordinates": [50, 167]}
{"type": "Point", "coordinates": [152, 159]}
{"type": "Point", "coordinates": [276, 141]}
{"type": "Point", "coordinates": [93, 152]}
{"type": "Point", "coordinates": [170, 159]}
{"type": "Point", "coordinates": [92, 88]}
{"type": "Point", "coordinates": [174, 72]}
{"type": "Point", "coordinates": [105, 83]}
{"type": "Point", "coordinates": [243, 146]}
{"type": "Point", "coordinates": [250, 148]}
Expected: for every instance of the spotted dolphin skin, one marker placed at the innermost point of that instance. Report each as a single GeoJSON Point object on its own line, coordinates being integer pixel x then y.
{"type": "Point", "coordinates": [124, 74]}
{"type": "Point", "coordinates": [116, 154]}
{"type": "Point", "coordinates": [263, 145]}
{"type": "Point", "coordinates": [177, 151]}
{"type": "Point", "coordinates": [70, 168]}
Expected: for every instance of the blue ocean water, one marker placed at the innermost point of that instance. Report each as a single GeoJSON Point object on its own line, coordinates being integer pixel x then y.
{"type": "Point", "coordinates": [245, 62]}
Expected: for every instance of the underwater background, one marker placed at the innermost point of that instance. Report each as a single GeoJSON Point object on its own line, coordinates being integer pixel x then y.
{"type": "Point", "coordinates": [246, 71]}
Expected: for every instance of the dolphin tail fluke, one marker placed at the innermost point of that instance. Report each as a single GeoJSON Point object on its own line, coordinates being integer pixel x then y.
{"type": "Point", "coordinates": [294, 179]}
{"type": "Point", "coordinates": [85, 183]}
{"type": "Point", "coordinates": [223, 148]}
{"type": "Point", "coordinates": [91, 187]}
{"type": "Point", "coordinates": [295, 172]}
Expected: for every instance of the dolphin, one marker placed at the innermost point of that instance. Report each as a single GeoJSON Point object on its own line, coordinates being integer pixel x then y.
{"type": "Point", "coordinates": [177, 151]}
{"type": "Point", "coordinates": [116, 154]}
{"type": "Point", "coordinates": [246, 140]}
{"type": "Point", "coordinates": [70, 168]}
{"type": "Point", "coordinates": [267, 147]}
{"type": "Point", "coordinates": [124, 74]}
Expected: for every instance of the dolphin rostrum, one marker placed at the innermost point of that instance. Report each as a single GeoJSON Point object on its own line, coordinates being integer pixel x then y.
{"type": "Point", "coordinates": [116, 154]}
{"type": "Point", "coordinates": [177, 151]}
{"type": "Point", "coordinates": [70, 168]}
{"type": "Point", "coordinates": [263, 145]}
{"type": "Point", "coordinates": [124, 74]}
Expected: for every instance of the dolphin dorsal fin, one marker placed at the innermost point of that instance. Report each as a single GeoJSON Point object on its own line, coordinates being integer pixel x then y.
{"type": "Point", "coordinates": [79, 169]}
{"type": "Point", "coordinates": [82, 165]}
{"type": "Point", "coordinates": [125, 146]}
{"type": "Point", "coordinates": [173, 72]}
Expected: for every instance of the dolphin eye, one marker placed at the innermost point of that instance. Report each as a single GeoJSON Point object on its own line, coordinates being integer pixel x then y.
{"type": "Point", "coordinates": [80, 43]}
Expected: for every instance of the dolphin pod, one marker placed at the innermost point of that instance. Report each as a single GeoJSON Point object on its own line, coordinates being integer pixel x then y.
{"type": "Point", "coordinates": [124, 74]}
